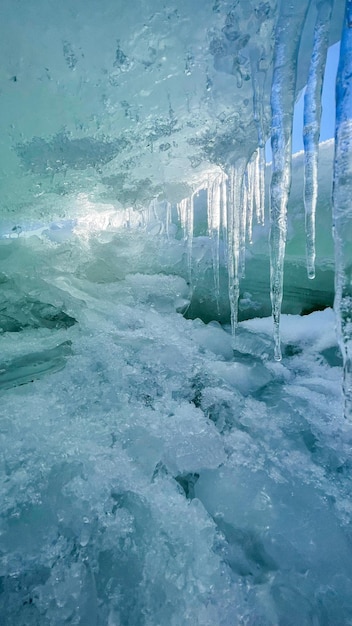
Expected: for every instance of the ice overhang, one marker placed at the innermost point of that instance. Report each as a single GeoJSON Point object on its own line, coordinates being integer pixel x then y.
{"type": "Point", "coordinates": [126, 102]}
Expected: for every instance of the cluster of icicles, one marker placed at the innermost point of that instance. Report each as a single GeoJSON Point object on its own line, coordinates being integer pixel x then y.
{"type": "Point", "coordinates": [234, 196]}
{"type": "Point", "coordinates": [232, 200]}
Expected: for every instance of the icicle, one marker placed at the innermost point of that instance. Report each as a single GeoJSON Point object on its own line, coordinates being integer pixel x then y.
{"type": "Point", "coordinates": [144, 217]}
{"type": "Point", "coordinates": [182, 215]}
{"type": "Point", "coordinates": [260, 184]}
{"type": "Point", "coordinates": [342, 207]}
{"type": "Point", "coordinates": [250, 200]}
{"type": "Point", "coordinates": [243, 224]}
{"type": "Point", "coordinates": [224, 199]}
{"type": "Point", "coordinates": [311, 131]}
{"type": "Point", "coordinates": [233, 237]}
{"type": "Point", "coordinates": [255, 189]}
{"type": "Point", "coordinates": [214, 222]}
{"type": "Point", "coordinates": [246, 197]}
{"type": "Point", "coordinates": [152, 215]}
{"type": "Point", "coordinates": [214, 205]}
{"type": "Point", "coordinates": [258, 79]}
{"type": "Point", "coordinates": [257, 183]}
{"type": "Point", "coordinates": [167, 219]}
{"type": "Point", "coordinates": [288, 33]}
{"type": "Point", "coordinates": [189, 237]}
{"type": "Point", "coordinates": [185, 212]}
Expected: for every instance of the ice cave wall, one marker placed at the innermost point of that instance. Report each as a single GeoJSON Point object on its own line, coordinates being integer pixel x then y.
{"type": "Point", "coordinates": [130, 102]}
{"type": "Point", "coordinates": [107, 105]}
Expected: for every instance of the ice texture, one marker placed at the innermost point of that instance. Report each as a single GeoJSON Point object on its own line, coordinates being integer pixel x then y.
{"type": "Point", "coordinates": [287, 39]}
{"type": "Point", "coordinates": [158, 469]}
{"type": "Point", "coordinates": [158, 477]}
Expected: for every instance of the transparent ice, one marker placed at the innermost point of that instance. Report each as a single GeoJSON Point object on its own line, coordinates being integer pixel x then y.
{"type": "Point", "coordinates": [158, 466]}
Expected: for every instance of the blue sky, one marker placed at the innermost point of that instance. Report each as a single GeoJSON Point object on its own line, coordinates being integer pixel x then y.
{"type": "Point", "coordinates": [328, 101]}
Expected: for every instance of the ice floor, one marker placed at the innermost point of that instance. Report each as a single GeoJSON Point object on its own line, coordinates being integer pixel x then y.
{"type": "Point", "coordinates": [154, 477]}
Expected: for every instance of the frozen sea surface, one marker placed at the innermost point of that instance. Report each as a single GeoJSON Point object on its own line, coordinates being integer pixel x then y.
{"type": "Point", "coordinates": [150, 475]}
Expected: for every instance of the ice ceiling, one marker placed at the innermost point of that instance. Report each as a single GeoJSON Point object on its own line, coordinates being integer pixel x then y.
{"type": "Point", "coordinates": [131, 101]}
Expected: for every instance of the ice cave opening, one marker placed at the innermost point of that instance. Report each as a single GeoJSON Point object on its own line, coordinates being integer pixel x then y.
{"type": "Point", "coordinates": [176, 313]}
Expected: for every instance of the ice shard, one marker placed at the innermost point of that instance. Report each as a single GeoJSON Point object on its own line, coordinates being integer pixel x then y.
{"type": "Point", "coordinates": [283, 92]}
{"type": "Point", "coordinates": [342, 206]}
{"type": "Point", "coordinates": [311, 130]}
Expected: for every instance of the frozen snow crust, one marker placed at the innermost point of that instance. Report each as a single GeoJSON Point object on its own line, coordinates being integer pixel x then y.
{"type": "Point", "coordinates": [152, 476]}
